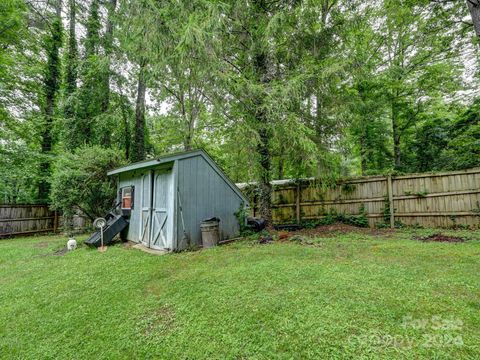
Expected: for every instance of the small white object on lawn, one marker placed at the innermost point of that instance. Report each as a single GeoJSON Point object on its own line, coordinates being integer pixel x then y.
{"type": "Point", "coordinates": [71, 244]}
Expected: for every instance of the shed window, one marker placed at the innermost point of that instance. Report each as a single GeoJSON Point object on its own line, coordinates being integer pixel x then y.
{"type": "Point", "coordinates": [127, 198]}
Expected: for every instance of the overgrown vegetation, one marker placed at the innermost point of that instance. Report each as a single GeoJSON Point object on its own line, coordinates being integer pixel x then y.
{"type": "Point", "coordinates": [242, 214]}
{"type": "Point", "coordinates": [272, 89]}
{"type": "Point", "coordinates": [332, 217]}
{"type": "Point", "coordinates": [80, 182]}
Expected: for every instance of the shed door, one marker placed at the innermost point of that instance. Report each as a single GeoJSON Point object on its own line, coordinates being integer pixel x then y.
{"type": "Point", "coordinates": [162, 220]}
{"type": "Point", "coordinates": [145, 209]}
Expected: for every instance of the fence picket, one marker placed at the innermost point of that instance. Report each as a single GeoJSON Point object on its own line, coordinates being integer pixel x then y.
{"type": "Point", "coordinates": [430, 200]}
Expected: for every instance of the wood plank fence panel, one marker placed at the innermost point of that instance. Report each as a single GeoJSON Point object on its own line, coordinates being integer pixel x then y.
{"type": "Point", "coordinates": [26, 219]}
{"type": "Point", "coordinates": [431, 200]}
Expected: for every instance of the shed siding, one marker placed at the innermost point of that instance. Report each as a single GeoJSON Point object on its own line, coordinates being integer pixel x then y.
{"type": "Point", "coordinates": [203, 193]}
{"type": "Point", "coordinates": [135, 179]}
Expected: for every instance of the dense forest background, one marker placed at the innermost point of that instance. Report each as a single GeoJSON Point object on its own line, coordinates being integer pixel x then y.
{"type": "Point", "coordinates": [271, 89]}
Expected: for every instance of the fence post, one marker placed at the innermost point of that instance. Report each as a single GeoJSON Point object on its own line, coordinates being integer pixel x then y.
{"type": "Point", "coordinates": [390, 201]}
{"type": "Point", "coordinates": [55, 221]}
{"type": "Point", "coordinates": [297, 203]}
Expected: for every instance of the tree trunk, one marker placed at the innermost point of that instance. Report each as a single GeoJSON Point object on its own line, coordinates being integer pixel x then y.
{"type": "Point", "coordinates": [51, 86]}
{"type": "Point", "coordinates": [396, 137]}
{"type": "Point", "coordinates": [126, 128]}
{"type": "Point", "coordinates": [474, 7]}
{"type": "Point", "coordinates": [108, 43]}
{"type": "Point", "coordinates": [263, 146]}
{"type": "Point", "coordinates": [138, 146]}
{"type": "Point", "coordinates": [71, 72]}
{"type": "Point", "coordinates": [259, 65]}
{"type": "Point", "coordinates": [92, 41]}
{"type": "Point", "coordinates": [72, 53]}
{"type": "Point", "coordinates": [363, 153]}
{"type": "Point", "coordinates": [187, 141]}
{"type": "Point", "coordinates": [265, 185]}
{"type": "Point", "coordinates": [318, 118]}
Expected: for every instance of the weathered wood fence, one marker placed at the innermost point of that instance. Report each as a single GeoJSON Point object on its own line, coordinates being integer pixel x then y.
{"type": "Point", "coordinates": [27, 219]}
{"type": "Point", "coordinates": [430, 200]}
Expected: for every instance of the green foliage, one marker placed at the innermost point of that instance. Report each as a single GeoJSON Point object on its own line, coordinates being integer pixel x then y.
{"type": "Point", "coordinates": [420, 194]}
{"type": "Point", "coordinates": [333, 217]}
{"type": "Point", "coordinates": [80, 182]}
{"type": "Point", "coordinates": [386, 210]}
{"type": "Point", "coordinates": [347, 188]}
{"type": "Point", "coordinates": [92, 39]}
{"type": "Point", "coordinates": [274, 89]}
{"type": "Point", "coordinates": [18, 184]}
{"type": "Point", "coordinates": [463, 149]}
{"type": "Point", "coordinates": [89, 118]}
{"type": "Point", "coordinates": [427, 144]}
{"type": "Point", "coordinates": [53, 41]}
{"type": "Point", "coordinates": [241, 214]}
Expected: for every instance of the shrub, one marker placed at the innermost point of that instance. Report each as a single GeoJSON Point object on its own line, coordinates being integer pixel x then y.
{"type": "Point", "coordinates": [80, 182]}
{"type": "Point", "coordinates": [333, 217]}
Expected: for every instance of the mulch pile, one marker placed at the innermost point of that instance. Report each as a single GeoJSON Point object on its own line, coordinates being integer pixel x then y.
{"type": "Point", "coordinates": [265, 239]}
{"type": "Point", "coordinates": [335, 229]}
{"type": "Point", "coordinates": [304, 236]}
{"type": "Point", "coordinates": [325, 231]}
{"type": "Point", "coordinates": [440, 238]}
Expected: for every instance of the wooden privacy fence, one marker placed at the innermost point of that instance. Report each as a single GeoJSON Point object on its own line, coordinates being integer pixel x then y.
{"type": "Point", "coordinates": [27, 219]}
{"type": "Point", "coordinates": [445, 199]}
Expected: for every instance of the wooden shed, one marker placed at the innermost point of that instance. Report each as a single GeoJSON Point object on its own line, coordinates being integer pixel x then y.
{"type": "Point", "coordinates": [166, 199]}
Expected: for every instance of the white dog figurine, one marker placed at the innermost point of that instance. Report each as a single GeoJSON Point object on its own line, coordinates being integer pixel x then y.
{"type": "Point", "coordinates": [71, 244]}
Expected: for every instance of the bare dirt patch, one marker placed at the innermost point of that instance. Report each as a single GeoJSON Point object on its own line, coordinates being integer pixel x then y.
{"type": "Point", "coordinates": [128, 244]}
{"type": "Point", "coordinates": [60, 252]}
{"type": "Point", "coordinates": [440, 238]}
{"type": "Point", "coordinates": [41, 245]}
{"type": "Point", "coordinates": [335, 229]}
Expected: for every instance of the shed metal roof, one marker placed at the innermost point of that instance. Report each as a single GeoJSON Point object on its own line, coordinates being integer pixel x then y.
{"type": "Point", "coordinates": [151, 163]}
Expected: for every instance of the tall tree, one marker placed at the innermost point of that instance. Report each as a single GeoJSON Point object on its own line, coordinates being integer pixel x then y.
{"type": "Point", "coordinates": [271, 88]}
{"type": "Point", "coordinates": [138, 145]}
{"type": "Point", "coordinates": [84, 127]}
{"type": "Point", "coordinates": [21, 82]}
{"type": "Point", "coordinates": [71, 62]}
{"type": "Point", "coordinates": [141, 36]}
{"type": "Point", "coordinates": [262, 89]}
{"type": "Point", "coordinates": [186, 68]}
{"type": "Point", "coordinates": [108, 43]}
{"type": "Point", "coordinates": [53, 43]}
{"type": "Point", "coordinates": [418, 53]}
{"type": "Point", "coordinates": [368, 122]}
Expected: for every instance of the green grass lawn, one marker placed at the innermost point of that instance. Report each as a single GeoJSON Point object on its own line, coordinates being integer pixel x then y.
{"type": "Point", "coordinates": [346, 296]}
